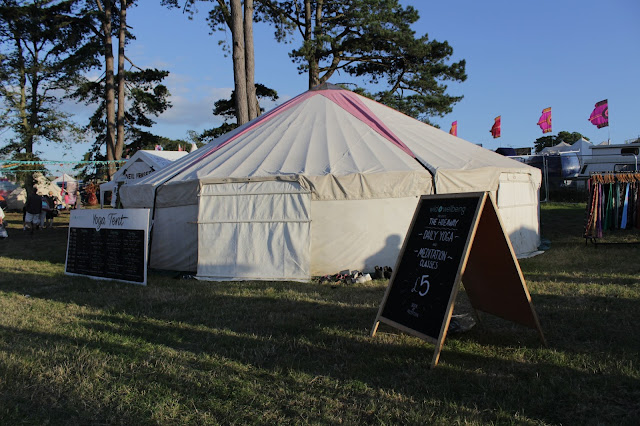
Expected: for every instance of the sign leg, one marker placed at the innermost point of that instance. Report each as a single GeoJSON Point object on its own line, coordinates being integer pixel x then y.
{"type": "Point", "coordinates": [375, 327]}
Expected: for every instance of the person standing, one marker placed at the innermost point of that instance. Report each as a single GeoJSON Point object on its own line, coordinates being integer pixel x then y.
{"type": "Point", "coordinates": [51, 204]}
{"type": "Point", "coordinates": [3, 228]}
{"type": "Point", "coordinates": [33, 209]}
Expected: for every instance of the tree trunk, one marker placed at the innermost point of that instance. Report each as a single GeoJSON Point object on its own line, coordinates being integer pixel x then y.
{"type": "Point", "coordinates": [239, 70]}
{"type": "Point", "coordinates": [252, 100]}
{"type": "Point", "coordinates": [317, 30]}
{"type": "Point", "coordinates": [309, 39]}
{"type": "Point", "coordinates": [109, 86]}
{"type": "Point", "coordinates": [28, 142]}
{"type": "Point", "coordinates": [121, 80]}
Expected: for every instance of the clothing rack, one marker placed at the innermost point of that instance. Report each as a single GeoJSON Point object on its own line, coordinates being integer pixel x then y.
{"type": "Point", "coordinates": [614, 203]}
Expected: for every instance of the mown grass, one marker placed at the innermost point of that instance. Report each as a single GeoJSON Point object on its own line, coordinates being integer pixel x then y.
{"type": "Point", "coordinates": [80, 351]}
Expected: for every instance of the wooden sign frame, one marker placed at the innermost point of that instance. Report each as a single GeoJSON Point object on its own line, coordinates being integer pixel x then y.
{"type": "Point", "coordinates": [486, 264]}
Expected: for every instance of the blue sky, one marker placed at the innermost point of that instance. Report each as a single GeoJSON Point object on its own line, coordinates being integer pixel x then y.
{"type": "Point", "coordinates": [521, 58]}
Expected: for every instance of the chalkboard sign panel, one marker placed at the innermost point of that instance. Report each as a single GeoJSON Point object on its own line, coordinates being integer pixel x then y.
{"type": "Point", "coordinates": [108, 244]}
{"type": "Point", "coordinates": [429, 265]}
{"type": "Point", "coordinates": [454, 238]}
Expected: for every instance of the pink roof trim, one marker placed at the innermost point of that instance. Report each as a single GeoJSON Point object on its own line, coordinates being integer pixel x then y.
{"type": "Point", "coordinates": [343, 98]}
{"type": "Point", "coordinates": [352, 104]}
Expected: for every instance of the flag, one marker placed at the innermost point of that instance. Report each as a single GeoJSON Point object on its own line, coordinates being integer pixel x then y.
{"type": "Point", "coordinates": [600, 115]}
{"type": "Point", "coordinates": [454, 128]}
{"type": "Point", "coordinates": [545, 120]}
{"type": "Point", "coordinates": [179, 147]}
{"type": "Point", "coordinates": [495, 129]}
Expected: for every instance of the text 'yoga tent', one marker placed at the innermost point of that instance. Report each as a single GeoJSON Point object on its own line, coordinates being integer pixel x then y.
{"type": "Point", "coordinates": [325, 182]}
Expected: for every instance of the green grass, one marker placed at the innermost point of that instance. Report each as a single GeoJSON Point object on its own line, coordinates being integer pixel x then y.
{"type": "Point", "coordinates": [81, 351]}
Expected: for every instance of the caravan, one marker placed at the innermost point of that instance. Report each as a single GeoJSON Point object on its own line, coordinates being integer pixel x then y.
{"type": "Point", "coordinates": [611, 158]}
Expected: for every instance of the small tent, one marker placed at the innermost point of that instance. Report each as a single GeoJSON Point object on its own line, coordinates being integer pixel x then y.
{"type": "Point", "coordinates": [558, 148]}
{"type": "Point", "coordinates": [325, 182]}
{"type": "Point", "coordinates": [582, 146]}
{"type": "Point", "coordinates": [64, 178]}
{"type": "Point", "coordinates": [69, 186]}
{"type": "Point", "coordinates": [142, 163]}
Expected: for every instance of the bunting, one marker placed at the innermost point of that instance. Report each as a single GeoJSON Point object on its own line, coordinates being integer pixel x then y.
{"type": "Point", "coordinates": [495, 129]}
{"type": "Point", "coordinates": [545, 120]}
{"type": "Point", "coordinates": [600, 115]}
{"type": "Point", "coordinates": [454, 128]}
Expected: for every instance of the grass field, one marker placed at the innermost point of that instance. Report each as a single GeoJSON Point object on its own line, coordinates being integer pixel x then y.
{"type": "Point", "coordinates": [80, 351]}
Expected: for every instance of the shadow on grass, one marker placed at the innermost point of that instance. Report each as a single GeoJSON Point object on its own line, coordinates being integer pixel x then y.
{"type": "Point", "coordinates": [41, 245]}
{"type": "Point", "coordinates": [484, 385]}
{"type": "Point", "coordinates": [309, 330]}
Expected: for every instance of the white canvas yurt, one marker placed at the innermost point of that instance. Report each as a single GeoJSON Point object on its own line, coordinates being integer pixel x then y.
{"type": "Point", "coordinates": [325, 182]}
{"type": "Point", "coordinates": [142, 163]}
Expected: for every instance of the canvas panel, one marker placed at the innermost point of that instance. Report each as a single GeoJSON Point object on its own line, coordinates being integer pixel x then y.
{"type": "Point", "coordinates": [174, 238]}
{"type": "Point", "coordinates": [518, 205]}
{"type": "Point", "coordinates": [254, 231]}
{"type": "Point", "coordinates": [453, 181]}
{"type": "Point", "coordinates": [358, 234]}
{"type": "Point", "coordinates": [366, 186]}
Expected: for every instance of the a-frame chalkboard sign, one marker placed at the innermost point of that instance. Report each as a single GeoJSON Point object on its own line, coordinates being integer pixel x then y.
{"type": "Point", "coordinates": [454, 238]}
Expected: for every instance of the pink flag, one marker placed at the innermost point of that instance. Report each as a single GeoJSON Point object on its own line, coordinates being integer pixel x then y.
{"type": "Point", "coordinates": [495, 129]}
{"type": "Point", "coordinates": [600, 115]}
{"type": "Point", "coordinates": [179, 147]}
{"type": "Point", "coordinates": [454, 128]}
{"type": "Point", "coordinates": [545, 120]}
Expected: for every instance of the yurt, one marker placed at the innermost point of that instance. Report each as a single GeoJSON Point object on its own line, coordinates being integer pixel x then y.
{"type": "Point", "coordinates": [325, 182]}
{"type": "Point", "coordinates": [141, 164]}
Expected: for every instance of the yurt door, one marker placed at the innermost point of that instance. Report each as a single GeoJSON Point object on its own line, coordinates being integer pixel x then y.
{"type": "Point", "coordinates": [254, 231]}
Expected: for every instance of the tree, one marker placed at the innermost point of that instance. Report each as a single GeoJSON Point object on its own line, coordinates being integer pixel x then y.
{"type": "Point", "coordinates": [146, 96]}
{"type": "Point", "coordinates": [370, 40]}
{"type": "Point", "coordinates": [115, 119]}
{"type": "Point", "coordinates": [227, 108]}
{"type": "Point", "coordinates": [45, 50]}
{"type": "Point", "coordinates": [566, 137]}
{"type": "Point", "coordinates": [114, 123]}
{"type": "Point", "coordinates": [231, 16]}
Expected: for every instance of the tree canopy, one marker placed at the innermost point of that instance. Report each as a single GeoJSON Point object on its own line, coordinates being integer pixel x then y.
{"type": "Point", "coordinates": [45, 48]}
{"type": "Point", "coordinates": [370, 41]}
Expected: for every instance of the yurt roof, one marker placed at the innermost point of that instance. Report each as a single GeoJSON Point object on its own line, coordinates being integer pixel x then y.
{"type": "Point", "coordinates": [330, 131]}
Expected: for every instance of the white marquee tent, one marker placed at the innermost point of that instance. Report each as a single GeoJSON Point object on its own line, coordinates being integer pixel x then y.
{"type": "Point", "coordinates": [142, 163]}
{"type": "Point", "coordinates": [558, 148]}
{"type": "Point", "coordinates": [64, 178]}
{"type": "Point", "coordinates": [326, 181]}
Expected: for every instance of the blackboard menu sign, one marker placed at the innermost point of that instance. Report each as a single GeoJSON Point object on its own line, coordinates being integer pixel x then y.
{"type": "Point", "coordinates": [454, 238]}
{"type": "Point", "coordinates": [429, 265]}
{"type": "Point", "coordinates": [108, 244]}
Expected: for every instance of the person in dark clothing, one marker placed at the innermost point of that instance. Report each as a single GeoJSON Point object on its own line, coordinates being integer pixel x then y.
{"type": "Point", "coordinates": [33, 209]}
{"type": "Point", "coordinates": [50, 199]}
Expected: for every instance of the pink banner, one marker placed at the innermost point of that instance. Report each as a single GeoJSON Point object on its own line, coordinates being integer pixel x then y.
{"type": "Point", "coordinates": [495, 129]}
{"type": "Point", "coordinates": [545, 120]}
{"type": "Point", "coordinates": [454, 128]}
{"type": "Point", "coordinates": [600, 115]}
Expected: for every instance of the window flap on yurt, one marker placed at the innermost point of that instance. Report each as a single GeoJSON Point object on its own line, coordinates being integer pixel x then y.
{"type": "Point", "coordinates": [254, 231]}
